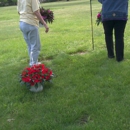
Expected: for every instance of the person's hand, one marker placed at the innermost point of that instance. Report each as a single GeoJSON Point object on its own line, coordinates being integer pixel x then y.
{"type": "Point", "coordinates": [47, 29]}
{"type": "Point", "coordinates": [37, 13]}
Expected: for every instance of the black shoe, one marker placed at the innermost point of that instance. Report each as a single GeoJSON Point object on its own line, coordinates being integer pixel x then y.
{"type": "Point", "coordinates": [111, 56]}
{"type": "Point", "coordinates": [120, 59]}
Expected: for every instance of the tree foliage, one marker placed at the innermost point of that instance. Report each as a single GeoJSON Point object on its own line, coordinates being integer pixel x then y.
{"type": "Point", "coordinates": [7, 2]}
{"type": "Point", "coordinates": [14, 2]}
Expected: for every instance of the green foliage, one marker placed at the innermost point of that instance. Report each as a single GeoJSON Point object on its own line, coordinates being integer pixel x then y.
{"type": "Point", "coordinates": [14, 1]}
{"type": "Point", "coordinates": [89, 91]}
{"type": "Point", "coordinates": [8, 2]}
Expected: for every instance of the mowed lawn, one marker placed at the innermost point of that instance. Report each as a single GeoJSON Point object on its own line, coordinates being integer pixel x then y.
{"type": "Point", "coordinates": [89, 91]}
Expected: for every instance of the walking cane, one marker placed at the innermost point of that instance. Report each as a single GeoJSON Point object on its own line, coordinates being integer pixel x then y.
{"type": "Point", "coordinates": [91, 23]}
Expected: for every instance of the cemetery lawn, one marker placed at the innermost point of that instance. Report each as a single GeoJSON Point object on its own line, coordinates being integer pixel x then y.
{"type": "Point", "coordinates": [89, 91]}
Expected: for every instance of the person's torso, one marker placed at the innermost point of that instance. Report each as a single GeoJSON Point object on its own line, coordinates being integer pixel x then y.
{"type": "Point", "coordinates": [114, 9]}
{"type": "Point", "coordinates": [26, 8]}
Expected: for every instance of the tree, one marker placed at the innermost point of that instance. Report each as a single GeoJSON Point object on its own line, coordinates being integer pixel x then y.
{"type": "Point", "coordinates": [3, 2]}
{"type": "Point", "coordinates": [14, 2]}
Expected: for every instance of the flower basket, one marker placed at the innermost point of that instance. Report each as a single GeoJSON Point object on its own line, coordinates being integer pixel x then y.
{"type": "Point", "coordinates": [36, 88]}
{"type": "Point", "coordinates": [35, 76]}
{"type": "Point", "coordinates": [47, 15]}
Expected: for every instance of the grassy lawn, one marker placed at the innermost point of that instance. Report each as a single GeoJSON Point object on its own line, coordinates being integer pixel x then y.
{"type": "Point", "coordinates": [89, 91]}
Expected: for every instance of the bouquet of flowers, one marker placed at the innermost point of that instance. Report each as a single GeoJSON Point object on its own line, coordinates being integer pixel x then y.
{"type": "Point", "coordinates": [35, 74]}
{"type": "Point", "coordinates": [47, 15]}
{"type": "Point", "coordinates": [99, 18]}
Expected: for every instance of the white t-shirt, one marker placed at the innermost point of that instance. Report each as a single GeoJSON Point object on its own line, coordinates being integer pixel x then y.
{"type": "Point", "coordinates": [26, 8]}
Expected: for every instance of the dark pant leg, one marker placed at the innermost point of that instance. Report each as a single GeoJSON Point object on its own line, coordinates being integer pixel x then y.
{"type": "Point", "coordinates": [108, 30]}
{"type": "Point", "coordinates": [119, 28]}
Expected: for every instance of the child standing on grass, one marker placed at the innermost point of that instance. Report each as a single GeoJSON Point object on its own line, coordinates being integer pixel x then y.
{"type": "Point", "coordinates": [114, 17]}
{"type": "Point", "coordinates": [29, 24]}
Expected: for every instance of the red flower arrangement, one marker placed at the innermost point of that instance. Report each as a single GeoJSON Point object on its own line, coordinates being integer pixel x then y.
{"type": "Point", "coordinates": [99, 18]}
{"type": "Point", "coordinates": [47, 15]}
{"type": "Point", "coordinates": [36, 74]}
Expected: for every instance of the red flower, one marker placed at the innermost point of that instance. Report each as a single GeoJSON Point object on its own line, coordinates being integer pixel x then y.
{"type": "Point", "coordinates": [99, 18]}
{"type": "Point", "coordinates": [35, 74]}
{"type": "Point", "coordinates": [26, 79]}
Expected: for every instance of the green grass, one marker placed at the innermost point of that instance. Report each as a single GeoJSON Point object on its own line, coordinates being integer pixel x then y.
{"type": "Point", "coordinates": [89, 91]}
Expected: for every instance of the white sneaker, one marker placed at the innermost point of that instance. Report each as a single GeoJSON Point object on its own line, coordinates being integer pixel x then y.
{"type": "Point", "coordinates": [38, 63]}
